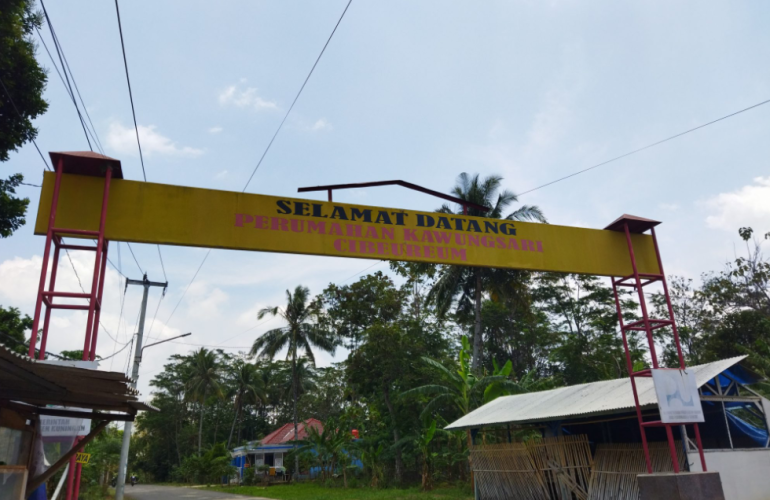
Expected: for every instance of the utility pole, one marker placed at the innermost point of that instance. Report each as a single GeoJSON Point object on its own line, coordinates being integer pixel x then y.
{"type": "Point", "coordinates": [122, 466]}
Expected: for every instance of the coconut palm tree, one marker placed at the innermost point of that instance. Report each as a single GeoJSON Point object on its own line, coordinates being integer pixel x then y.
{"type": "Point", "coordinates": [467, 284]}
{"type": "Point", "coordinates": [205, 375]}
{"type": "Point", "coordinates": [249, 388]}
{"type": "Point", "coordinates": [300, 336]}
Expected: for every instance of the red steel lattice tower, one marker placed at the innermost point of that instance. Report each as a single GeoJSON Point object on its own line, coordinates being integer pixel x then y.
{"type": "Point", "coordinates": [80, 163]}
{"type": "Point", "coordinates": [628, 225]}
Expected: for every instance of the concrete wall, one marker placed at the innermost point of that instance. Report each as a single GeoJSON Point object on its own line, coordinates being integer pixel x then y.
{"type": "Point", "coordinates": [745, 473]}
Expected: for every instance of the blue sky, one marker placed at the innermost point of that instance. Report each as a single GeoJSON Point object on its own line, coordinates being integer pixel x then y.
{"type": "Point", "coordinates": [419, 91]}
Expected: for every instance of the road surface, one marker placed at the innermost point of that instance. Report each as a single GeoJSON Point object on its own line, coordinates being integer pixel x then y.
{"type": "Point", "coordinates": [152, 492]}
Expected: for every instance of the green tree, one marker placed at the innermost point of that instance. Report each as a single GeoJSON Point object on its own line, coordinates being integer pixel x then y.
{"type": "Point", "coordinates": [301, 335]}
{"type": "Point", "coordinates": [249, 388]}
{"type": "Point", "coordinates": [462, 390]}
{"type": "Point", "coordinates": [12, 209]}
{"type": "Point", "coordinates": [745, 283]}
{"type": "Point", "coordinates": [12, 327]}
{"type": "Point", "coordinates": [582, 314]}
{"type": "Point", "coordinates": [388, 360]}
{"type": "Point", "coordinates": [204, 380]}
{"type": "Point", "coordinates": [421, 442]}
{"type": "Point", "coordinates": [21, 100]}
{"type": "Point", "coordinates": [466, 285]}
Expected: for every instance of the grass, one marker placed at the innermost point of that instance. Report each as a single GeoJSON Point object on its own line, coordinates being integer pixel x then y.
{"type": "Point", "coordinates": [312, 491]}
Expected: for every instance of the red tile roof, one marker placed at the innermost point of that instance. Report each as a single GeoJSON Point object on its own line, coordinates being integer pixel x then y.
{"type": "Point", "coordinates": [286, 432]}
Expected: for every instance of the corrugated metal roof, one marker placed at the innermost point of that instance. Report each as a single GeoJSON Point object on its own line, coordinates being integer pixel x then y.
{"type": "Point", "coordinates": [595, 398]}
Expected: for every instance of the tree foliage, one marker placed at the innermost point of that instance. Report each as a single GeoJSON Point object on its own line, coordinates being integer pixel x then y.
{"type": "Point", "coordinates": [409, 368]}
{"type": "Point", "coordinates": [22, 82]}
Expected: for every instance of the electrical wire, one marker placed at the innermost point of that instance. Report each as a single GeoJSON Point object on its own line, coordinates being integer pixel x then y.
{"type": "Point", "coordinates": [152, 323]}
{"type": "Point", "coordinates": [645, 147]}
{"type": "Point", "coordinates": [8, 94]}
{"type": "Point", "coordinates": [116, 353]}
{"type": "Point", "coordinates": [130, 94]}
{"type": "Point", "coordinates": [117, 330]}
{"type": "Point", "coordinates": [259, 163]}
{"type": "Point", "coordinates": [134, 256]}
{"type": "Point", "coordinates": [26, 346]}
{"type": "Point", "coordinates": [92, 129]}
{"type": "Point", "coordinates": [133, 114]}
{"type": "Point", "coordinates": [188, 287]}
{"type": "Point", "coordinates": [297, 96]}
{"type": "Point", "coordinates": [61, 61]}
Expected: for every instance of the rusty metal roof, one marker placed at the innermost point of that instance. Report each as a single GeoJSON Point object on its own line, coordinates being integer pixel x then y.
{"type": "Point", "coordinates": [25, 380]}
{"type": "Point", "coordinates": [635, 224]}
{"type": "Point", "coordinates": [86, 163]}
{"type": "Point", "coordinates": [577, 401]}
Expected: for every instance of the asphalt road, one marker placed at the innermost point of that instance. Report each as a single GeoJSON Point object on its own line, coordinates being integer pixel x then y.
{"type": "Point", "coordinates": [152, 492]}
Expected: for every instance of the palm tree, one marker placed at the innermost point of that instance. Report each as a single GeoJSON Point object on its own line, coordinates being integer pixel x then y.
{"type": "Point", "coordinates": [463, 389]}
{"type": "Point", "coordinates": [249, 389]}
{"type": "Point", "coordinates": [305, 375]}
{"type": "Point", "coordinates": [301, 334]}
{"type": "Point", "coordinates": [204, 380]}
{"type": "Point", "coordinates": [469, 283]}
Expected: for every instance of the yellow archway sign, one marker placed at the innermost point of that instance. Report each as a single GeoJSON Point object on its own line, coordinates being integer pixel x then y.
{"type": "Point", "coordinates": [144, 212]}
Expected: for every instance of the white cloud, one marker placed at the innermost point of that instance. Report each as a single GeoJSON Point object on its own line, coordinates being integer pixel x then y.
{"type": "Point", "coordinates": [321, 124]}
{"type": "Point", "coordinates": [123, 140]}
{"type": "Point", "coordinates": [215, 130]}
{"type": "Point", "coordinates": [246, 98]}
{"type": "Point", "coordinates": [671, 207]}
{"type": "Point", "coordinates": [747, 206]}
{"type": "Point", "coordinates": [221, 175]}
{"type": "Point", "coordinates": [204, 301]}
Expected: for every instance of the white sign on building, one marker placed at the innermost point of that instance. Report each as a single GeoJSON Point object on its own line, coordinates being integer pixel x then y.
{"type": "Point", "coordinates": [64, 426]}
{"type": "Point", "coordinates": [678, 398]}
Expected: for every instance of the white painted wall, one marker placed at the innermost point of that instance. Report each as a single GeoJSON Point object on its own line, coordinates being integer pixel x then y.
{"type": "Point", "coordinates": [745, 473]}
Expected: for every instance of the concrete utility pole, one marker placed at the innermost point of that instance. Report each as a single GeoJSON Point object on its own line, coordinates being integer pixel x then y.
{"type": "Point", "coordinates": [121, 484]}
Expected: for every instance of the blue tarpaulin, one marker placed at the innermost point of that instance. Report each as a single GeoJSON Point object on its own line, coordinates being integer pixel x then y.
{"type": "Point", "coordinates": [739, 425]}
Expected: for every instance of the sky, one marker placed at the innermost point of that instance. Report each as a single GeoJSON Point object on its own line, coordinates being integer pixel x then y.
{"type": "Point", "coordinates": [418, 91]}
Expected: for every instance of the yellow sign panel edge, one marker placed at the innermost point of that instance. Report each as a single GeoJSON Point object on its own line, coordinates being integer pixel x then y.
{"type": "Point", "coordinates": [175, 215]}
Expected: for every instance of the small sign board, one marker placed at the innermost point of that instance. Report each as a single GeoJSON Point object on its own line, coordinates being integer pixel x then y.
{"type": "Point", "coordinates": [82, 458]}
{"type": "Point", "coordinates": [51, 426]}
{"type": "Point", "coordinates": [678, 398]}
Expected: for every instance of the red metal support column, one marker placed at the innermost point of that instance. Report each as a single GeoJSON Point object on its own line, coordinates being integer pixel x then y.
{"type": "Point", "coordinates": [46, 252]}
{"type": "Point", "coordinates": [97, 283]}
{"type": "Point", "coordinates": [637, 280]}
{"type": "Point", "coordinates": [630, 368]}
{"type": "Point", "coordinates": [51, 286]}
{"type": "Point", "coordinates": [102, 279]}
{"type": "Point", "coordinates": [668, 303]}
{"type": "Point", "coordinates": [71, 475]}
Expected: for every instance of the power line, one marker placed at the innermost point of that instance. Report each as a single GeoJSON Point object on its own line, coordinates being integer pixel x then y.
{"type": "Point", "coordinates": [116, 353]}
{"type": "Point", "coordinates": [8, 94]}
{"type": "Point", "coordinates": [130, 94]}
{"type": "Point", "coordinates": [188, 286]}
{"type": "Point", "coordinates": [134, 256]}
{"type": "Point", "coordinates": [152, 324]}
{"type": "Point", "coordinates": [25, 344]}
{"type": "Point", "coordinates": [61, 61]}
{"type": "Point", "coordinates": [297, 96]}
{"type": "Point", "coordinates": [120, 317]}
{"type": "Point", "coordinates": [92, 129]}
{"type": "Point", "coordinates": [163, 268]}
{"type": "Point", "coordinates": [274, 135]}
{"type": "Point", "coordinates": [645, 147]}
{"type": "Point", "coordinates": [133, 114]}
